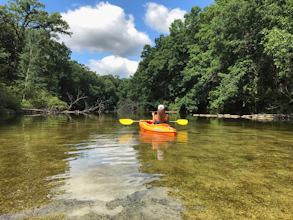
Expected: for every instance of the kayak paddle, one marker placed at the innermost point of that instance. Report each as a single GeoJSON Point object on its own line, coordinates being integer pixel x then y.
{"type": "Point", "coordinates": [130, 121]}
{"type": "Point", "coordinates": [181, 121]}
{"type": "Point", "coordinates": [125, 121]}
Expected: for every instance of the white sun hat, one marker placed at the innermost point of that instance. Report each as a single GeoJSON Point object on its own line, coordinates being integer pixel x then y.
{"type": "Point", "coordinates": [160, 107]}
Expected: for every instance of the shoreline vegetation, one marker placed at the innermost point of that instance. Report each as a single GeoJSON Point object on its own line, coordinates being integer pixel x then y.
{"type": "Point", "coordinates": [232, 56]}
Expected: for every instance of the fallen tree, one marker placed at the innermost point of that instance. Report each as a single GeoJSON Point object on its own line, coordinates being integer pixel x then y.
{"type": "Point", "coordinates": [127, 105]}
{"type": "Point", "coordinates": [99, 106]}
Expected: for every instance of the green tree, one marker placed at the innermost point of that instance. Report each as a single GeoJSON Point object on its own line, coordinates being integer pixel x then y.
{"type": "Point", "coordinates": [19, 15]}
{"type": "Point", "coordinates": [279, 45]}
{"type": "Point", "coordinates": [32, 62]}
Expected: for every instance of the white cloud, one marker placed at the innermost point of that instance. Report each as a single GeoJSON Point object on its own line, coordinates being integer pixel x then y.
{"type": "Point", "coordinates": [103, 28]}
{"type": "Point", "coordinates": [160, 18]}
{"type": "Point", "coordinates": [114, 65]}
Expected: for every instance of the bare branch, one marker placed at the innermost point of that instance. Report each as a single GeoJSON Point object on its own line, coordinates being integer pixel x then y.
{"type": "Point", "coordinates": [128, 105]}
{"type": "Point", "coordinates": [79, 97]}
{"type": "Point", "coordinates": [100, 104]}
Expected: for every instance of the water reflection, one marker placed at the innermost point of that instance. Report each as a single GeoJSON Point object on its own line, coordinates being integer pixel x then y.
{"type": "Point", "coordinates": [77, 168]}
{"type": "Point", "coordinates": [229, 170]}
{"type": "Point", "coordinates": [92, 167]}
{"type": "Point", "coordinates": [107, 183]}
{"type": "Point", "coordinates": [160, 141]}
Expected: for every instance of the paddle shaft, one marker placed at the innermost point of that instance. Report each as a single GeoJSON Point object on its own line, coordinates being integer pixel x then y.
{"type": "Point", "coordinates": [130, 121]}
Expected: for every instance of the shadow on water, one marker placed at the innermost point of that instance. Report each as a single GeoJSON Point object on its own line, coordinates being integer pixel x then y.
{"type": "Point", "coordinates": [92, 167]}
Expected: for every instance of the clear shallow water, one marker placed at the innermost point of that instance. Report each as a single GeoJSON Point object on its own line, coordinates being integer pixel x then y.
{"type": "Point", "coordinates": [92, 167]}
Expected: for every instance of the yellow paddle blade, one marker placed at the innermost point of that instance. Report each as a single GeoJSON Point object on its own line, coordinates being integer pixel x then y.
{"type": "Point", "coordinates": [126, 121]}
{"type": "Point", "coordinates": [182, 121]}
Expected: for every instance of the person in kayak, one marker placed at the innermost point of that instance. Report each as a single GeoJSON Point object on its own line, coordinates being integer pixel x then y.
{"type": "Point", "coordinates": [161, 116]}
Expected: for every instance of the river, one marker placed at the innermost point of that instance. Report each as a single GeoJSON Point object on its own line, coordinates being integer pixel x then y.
{"type": "Point", "coordinates": [93, 167]}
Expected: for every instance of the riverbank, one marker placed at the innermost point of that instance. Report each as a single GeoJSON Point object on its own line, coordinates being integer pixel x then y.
{"type": "Point", "coordinates": [261, 117]}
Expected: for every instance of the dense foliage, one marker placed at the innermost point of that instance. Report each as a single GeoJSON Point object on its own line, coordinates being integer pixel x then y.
{"type": "Point", "coordinates": [234, 56]}
{"type": "Point", "coordinates": [36, 70]}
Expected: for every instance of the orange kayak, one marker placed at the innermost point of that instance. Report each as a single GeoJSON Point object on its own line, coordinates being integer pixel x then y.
{"type": "Point", "coordinates": [160, 128]}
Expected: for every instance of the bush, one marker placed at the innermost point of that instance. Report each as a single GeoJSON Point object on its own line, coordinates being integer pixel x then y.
{"type": "Point", "coordinates": [55, 103]}
{"type": "Point", "coordinates": [43, 99]}
{"type": "Point", "coordinates": [40, 99]}
{"type": "Point", "coordinates": [26, 104]}
{"type": "Point", "coordinates": [8, 102]}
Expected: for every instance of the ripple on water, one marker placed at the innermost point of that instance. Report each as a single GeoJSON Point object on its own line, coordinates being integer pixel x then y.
{"type": "Point", "coordinates": [92, 167]}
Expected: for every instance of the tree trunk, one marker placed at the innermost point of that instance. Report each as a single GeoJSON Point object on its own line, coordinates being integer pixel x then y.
{"type": "Point", "coordinates": [27, 75]}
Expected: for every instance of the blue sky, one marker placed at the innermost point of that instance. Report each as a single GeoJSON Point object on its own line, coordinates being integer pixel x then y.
{"type": "Point", "coordinates": [108, 36]}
